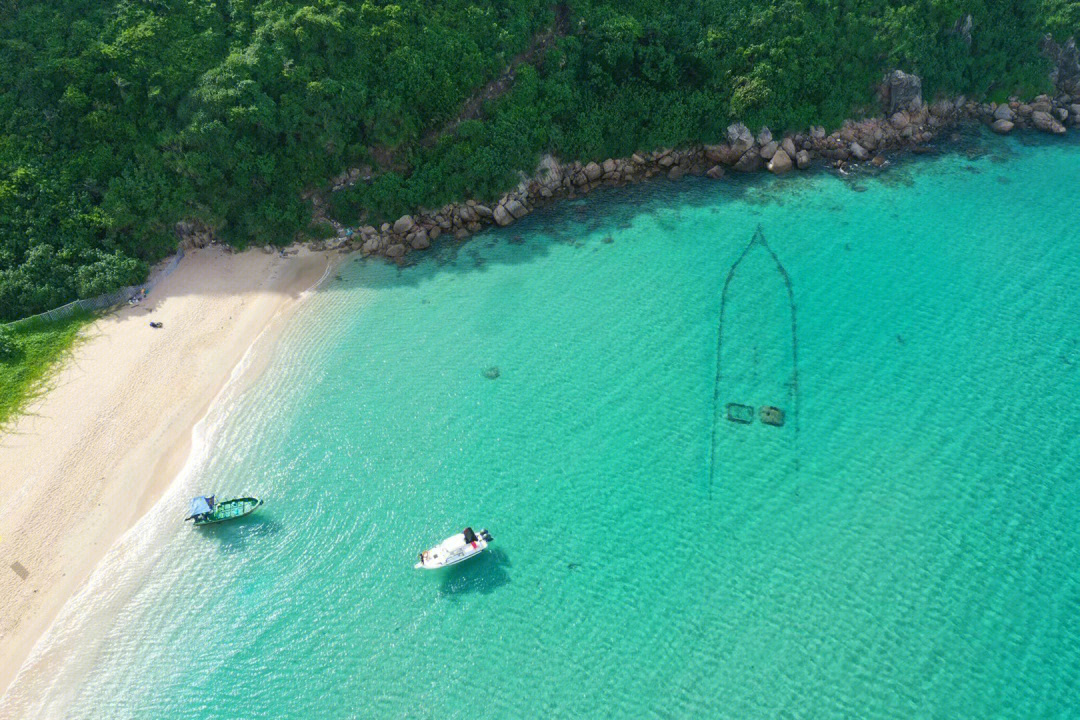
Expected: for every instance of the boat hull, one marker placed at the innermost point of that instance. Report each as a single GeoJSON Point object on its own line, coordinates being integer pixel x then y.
{"type": "Point", "coordinates": [451, 551]}
{"type": "Point", "coordinates": [230, 510]}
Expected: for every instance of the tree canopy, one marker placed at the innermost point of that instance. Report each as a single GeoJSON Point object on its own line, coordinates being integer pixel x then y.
{"type": "Point", "coordinates": [120, 118]}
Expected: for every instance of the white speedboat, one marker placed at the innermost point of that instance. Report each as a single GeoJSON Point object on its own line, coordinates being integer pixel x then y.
{"type": "Point", "coordinates": [454, 549]}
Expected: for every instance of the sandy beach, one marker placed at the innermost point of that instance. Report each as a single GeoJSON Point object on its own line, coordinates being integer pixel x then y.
{"type": "Point", "coordinates": [95, 452]}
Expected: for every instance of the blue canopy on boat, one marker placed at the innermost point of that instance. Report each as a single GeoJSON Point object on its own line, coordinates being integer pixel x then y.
{"type": "Point", "coordinates": [201, 506]}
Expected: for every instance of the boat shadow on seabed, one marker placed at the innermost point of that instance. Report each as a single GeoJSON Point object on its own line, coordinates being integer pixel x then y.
{"type": "Point", "coordinates": [484, 574]}
{"type": "Point", "coordinates": [232, 537]}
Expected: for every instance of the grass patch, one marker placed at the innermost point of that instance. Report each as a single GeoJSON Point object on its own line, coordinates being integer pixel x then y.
{"type": "Point", "coordinates": [29, 355]}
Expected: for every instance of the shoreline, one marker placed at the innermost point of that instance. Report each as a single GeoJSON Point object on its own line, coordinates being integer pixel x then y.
{"type": "Point", "coordinates": [95, 453]}
{"type": "Point", "coordinates": [907, 125]}
{"type": "Point", "coordinates": [129, 423]}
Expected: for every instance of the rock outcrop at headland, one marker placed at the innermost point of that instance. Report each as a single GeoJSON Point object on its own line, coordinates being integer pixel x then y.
{"type": "Point", "coordinates": [906, 122]}
{"type": "Point", "coordinates": [1065, 64]}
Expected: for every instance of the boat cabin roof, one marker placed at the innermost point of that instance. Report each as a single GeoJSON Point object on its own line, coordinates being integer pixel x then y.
{"type": "Point", "coordinates": [201, 505]}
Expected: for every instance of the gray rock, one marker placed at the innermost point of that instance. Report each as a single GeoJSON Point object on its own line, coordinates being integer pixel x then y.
{"type": "Point", "coordinates": [516, 209]}
{"type": "Point", "coordinates": [395, 251]}
{"type": "Point", "coordinates": [900, 120]}
{"type": "Point", "coordinates": [789, 147]}
{"type": "Point", "coordinates": [769, 149]}
{"type": "Point", "coordinates": [714, 153]}
{"type": "Point", "coordinates": [749, 162]}
{"type": "Point", "coordinates": [817, 133]}
{"type": "Point", "coordinates": [764, 136]}
{"type": "Point", "coordinates": [1042, 120]}
{"type": "Point", "coordinates": [491, 373]}
{"type": "Point", "coordinates": [715, 172]}
{"type": "Point", "coordinates": [739, 138]}
{"type": "Point", "coordinates": [370, 245]}
{"type": "Point", "coordinates": [1004, 112]}
{"type": "Point", "coordinates": [802, 159]}
{"type": "Point", "coordinates": [942, 108]}
{"type": "Point", "coordinates": [1002, 126]}
{"type": "Point", "coordinates": [666, 160]}
{"type": "Point", "coordinates": [502, 216]}
{"type": "Point", "coordinates": [419, 240]}
{"type": "Point", "coordinates": [593, 172]}
{"type": "Point", "coordinates": [1064, 63]}
{"type": "Point", "coordinates": [676, 172]}
{"type": "Point", "coordinates": [963, 29]}
{"type": "Point", "coordinates": [435, 232]}
{"type": "Point", "coordinates": [483, 211]}
{"type": "Point", "coordinates": [859, 152]}
{"type": "Point", "coordinates": [1074, 113]}
{"type": "Point", "coordinates": [609, 166]}
{"type": "Point", "coordinates": [780, 163]}
{"type": "Point", "coordinates": [404, 224]}
{"type": "Point", "coordinates": [904, 91]}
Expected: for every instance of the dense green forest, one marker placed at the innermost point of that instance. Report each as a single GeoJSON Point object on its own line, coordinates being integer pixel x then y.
{"type": "Point", "coordinates": [119, 118]}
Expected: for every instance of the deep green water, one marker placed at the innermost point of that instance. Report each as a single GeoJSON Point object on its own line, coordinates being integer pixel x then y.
{"type": "Point", "coordinates": [907, 545]}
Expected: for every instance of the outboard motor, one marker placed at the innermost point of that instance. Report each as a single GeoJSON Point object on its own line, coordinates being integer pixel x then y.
{"type": "Point", "coordinates": [485, 535]}
{"type": "Point", "coordinates": [470, 536]}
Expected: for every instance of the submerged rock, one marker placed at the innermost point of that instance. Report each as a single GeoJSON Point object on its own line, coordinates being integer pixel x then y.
{"type": "Point", "coordinates": [491, 373]}
{"type": "Point", "coordinates": [1002, 127]}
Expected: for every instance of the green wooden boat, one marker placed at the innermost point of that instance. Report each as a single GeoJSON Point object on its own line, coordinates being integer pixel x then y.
{"type": "Point", "coordinates": [205, 511]}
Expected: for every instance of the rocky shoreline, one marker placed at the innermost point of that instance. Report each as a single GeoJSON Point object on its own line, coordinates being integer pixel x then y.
{"type": "Point", "coordinates": [906, 123]}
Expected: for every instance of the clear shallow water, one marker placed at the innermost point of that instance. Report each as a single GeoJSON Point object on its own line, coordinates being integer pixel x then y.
{"type": "Point", "coordinates": [907, 548]}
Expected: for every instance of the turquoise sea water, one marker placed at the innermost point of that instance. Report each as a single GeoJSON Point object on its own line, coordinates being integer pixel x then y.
{"type": "Point", "coordinates": [906, 545]}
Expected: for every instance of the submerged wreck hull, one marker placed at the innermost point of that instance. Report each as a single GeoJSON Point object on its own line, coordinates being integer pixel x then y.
{"type": "Point", "coordinates": [756, 400]}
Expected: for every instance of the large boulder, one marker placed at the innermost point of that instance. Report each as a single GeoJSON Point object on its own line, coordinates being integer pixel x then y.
{"type": "Point", "coordinates": [789, 147]}
{"type": "Point", "coordinates": [1045, 122]}
{"type": "Point", "coordinates": [904, 91]}
{"type": "Point", "coordinates": [419, 240]}
{"type": "Point", "coordinates": [749, 162]}
{"type": "Point", "coordinates": [1002, 126]}
{"type": "Point", "coordinates": [1074, 113]}
{"type": "Point", "coordinates": [502, 216]}
{"type": "Point", "coordinates": [395, 251]}
{"type": "Point", "coordinates": [764, 136]}
{"type": "Point", "coordinates": [859, 152]}
{"type": "Point", "coordinates": [1064, 64]}
{"type": "Point", "coordinates": [780, 163]}
{"type": "Point", "coordinates": [714, 153]}
{"type": "Point", "coordinates": [715, 172]}
{"type": "Point", "coordinates": [740, 138]}
{"type": "Point", "coordinates": [516, 209]}
{"type": "Point", "coordinates": [769, 149]}
{"type": "Point", "coordinates": [900, 120]}
{"type": "Point", "coordinates": [802, 159]}
{"type": "Point", "coordinates": [593, 172]}
{"type": "Point", "coordinates": [404, 224]}
{"type": "Point", "coordinates": [1004, 112]}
